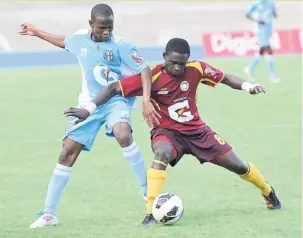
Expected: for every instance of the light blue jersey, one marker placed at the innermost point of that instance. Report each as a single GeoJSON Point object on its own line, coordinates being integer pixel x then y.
{"type": "Point", "coordinates": [102, 63]}
{"type": "Point", "coordinates": [263, 10]}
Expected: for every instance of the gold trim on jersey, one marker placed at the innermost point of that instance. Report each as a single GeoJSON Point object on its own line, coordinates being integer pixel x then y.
{"type": "Point", "coordinates": [156, 103]}
{"type": "Point", "coordinates": [122, 92]}
{"type": "Point", "coordinates": [156, 76]}
{"type": "Point", "coordinates": [197, 65]}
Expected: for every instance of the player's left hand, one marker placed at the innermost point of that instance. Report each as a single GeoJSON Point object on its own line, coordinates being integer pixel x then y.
{"type": "Point", "coordinates": [80, 113]}
{"type": "Point", "coordinates": [256, 89]}
{"type": "Point", "coordinates": [150, 115]}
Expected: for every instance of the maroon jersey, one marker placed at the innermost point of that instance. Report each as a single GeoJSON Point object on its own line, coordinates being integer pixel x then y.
{"type": "Point", "coordinates": [175, 97]}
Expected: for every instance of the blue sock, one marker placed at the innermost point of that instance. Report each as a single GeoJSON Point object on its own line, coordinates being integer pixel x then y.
{"type": "Point", "coordinates": [56, 186]}
{"type": "Point", "coordinates": [134, 157]}
{"type": "Point", "coordinates": [271, 65]}
{"type": "Point", "coordinates": [254, 63]}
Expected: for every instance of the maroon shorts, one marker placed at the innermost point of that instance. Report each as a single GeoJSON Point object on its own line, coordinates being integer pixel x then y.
{"type": "Point", "coordinates": [203, 143]}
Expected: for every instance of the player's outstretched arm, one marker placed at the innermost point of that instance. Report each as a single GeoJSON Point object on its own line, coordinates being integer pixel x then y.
{"type": "Point", "coordinates": [237, 83]}
{"type": "Point", "coordinates": [31, 30]}
{"type": "Point", "coordinates": [108, 92]}
{"type": "Point", "coordinates": [101, 98]}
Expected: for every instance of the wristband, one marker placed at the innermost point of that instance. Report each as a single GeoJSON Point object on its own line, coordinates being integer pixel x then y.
{"type": "Point", "coordinates": [90, 107]}
{"type": "Point", "coordinates": [246, 86]}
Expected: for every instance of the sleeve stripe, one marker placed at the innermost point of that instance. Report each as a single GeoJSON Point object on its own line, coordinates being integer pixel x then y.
{"type": "Point", "coordinates": [197, 65]}
{"type": "Point", "coordinates": [156, 103]}
{"type": "Point", "coordinates": [122, 91]}
{"type": "Point", "coordinates": [156, 76]}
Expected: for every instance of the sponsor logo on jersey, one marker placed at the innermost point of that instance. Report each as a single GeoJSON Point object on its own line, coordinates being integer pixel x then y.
{"type": "Point", "coordinates": [137, 58]}
{"type": "Point", "coordinates": [163, 91]}
{"type": "Point", "coordinates": [184, 85]}
{"type": "Point", "coordinates": [208, 71]}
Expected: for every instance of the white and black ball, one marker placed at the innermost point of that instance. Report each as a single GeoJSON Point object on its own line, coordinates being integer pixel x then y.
{"type": "Point", "coordinates": [167, 208]}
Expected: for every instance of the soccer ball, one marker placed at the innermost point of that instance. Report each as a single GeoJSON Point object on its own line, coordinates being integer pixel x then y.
{"type": "Point", "coordinates": [167, 208]}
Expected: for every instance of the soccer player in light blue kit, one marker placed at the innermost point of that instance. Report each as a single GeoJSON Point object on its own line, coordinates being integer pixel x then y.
{"type": "Point", "coordinates": [104, 58]}
{"type": "Point", "coordinates": [263, 12]}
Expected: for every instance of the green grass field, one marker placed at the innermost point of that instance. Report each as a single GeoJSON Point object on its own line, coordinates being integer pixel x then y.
{"type": "Point", "coordinates": [103, 199]}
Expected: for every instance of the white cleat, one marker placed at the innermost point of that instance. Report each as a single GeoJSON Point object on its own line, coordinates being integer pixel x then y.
{"type": "Point", "coordinates": [249, 74]}
{"type": "Point", "coordinates": [44, 221]}
{"type": "Point", "coordinates": [274, 80]}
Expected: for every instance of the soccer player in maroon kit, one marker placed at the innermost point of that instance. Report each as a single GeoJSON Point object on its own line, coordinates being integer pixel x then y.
{"type": "Point", "coordinates": [180, 129]}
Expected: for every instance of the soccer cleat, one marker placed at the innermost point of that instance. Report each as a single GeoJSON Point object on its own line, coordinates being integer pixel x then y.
{"type": "Point", "coordinates": [45, 220]}
{"type": "Point", "coordinates": [249, 74]}
{"type": "Point", "coordinates": [272, 201]}
{"type": "Point", "coordinates": [148, 220]}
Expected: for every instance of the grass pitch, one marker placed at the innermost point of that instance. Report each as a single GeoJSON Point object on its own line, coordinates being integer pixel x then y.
{"type": "Point", "coordinates": [103, 199]}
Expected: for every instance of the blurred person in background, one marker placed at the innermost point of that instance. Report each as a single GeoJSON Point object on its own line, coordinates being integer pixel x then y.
{"type": "Point", "coordinates": [263, 12]}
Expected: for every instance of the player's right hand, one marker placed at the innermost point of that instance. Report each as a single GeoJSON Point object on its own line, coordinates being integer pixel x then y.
{"type": "Point", "coordinates": [28, 29]}
{"type": "Point", "coordinates": [150, 115]}
{"type": "Point", "coordinates": [80, 113]}
{"type": "Point", "coordinates": [256, 89]}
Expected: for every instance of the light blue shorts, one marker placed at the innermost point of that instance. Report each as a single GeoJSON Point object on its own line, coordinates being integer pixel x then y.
{"type": "Point", "coordinates": [115, 111]}
{"type": "Point", "coordinates": [265, 33]}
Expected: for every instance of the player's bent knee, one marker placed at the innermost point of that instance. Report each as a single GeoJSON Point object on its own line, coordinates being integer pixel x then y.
{"type": "Point", "coordinates": [123, 134]}
{"type": "Point", "coordinates": [233, 163]}
{"type": "Point", "coordinates": [163, 151]}
{"type": "Point", "coordinates": [70, 152]}
{"type": "Point", "coordinates": [269, 50]}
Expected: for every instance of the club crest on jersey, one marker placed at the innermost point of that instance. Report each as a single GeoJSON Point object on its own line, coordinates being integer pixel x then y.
{"type": "Point", "coordinates": [137, 58]}
{"type": "Point", "coordinates": [184, 85]}
{"type": "Point", "coordinates": [108, 55]}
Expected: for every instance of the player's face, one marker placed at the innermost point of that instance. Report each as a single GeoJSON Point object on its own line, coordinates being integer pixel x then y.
{"type": "Point", "coordinates": [175, 63]}
{"type": "Point", "coordinates": [102, 28]}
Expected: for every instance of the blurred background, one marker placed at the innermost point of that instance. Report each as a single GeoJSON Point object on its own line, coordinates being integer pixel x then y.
{"type": "Point", "coordinates": [146, 23]}
{"type": "Point", "coordinates": [37, 81]}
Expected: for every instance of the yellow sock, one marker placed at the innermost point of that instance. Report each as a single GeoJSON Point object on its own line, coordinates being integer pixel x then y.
{"type": "Point", "coordinates": [155, 182]}
{"type": "Point", "coordinates": [255, 177]}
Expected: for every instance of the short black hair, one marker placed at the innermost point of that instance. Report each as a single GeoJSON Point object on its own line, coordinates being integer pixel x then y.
{"type": "Point", "coordinates": [101, 10]}
{"type": "Point", "coordinates": [178, 45]}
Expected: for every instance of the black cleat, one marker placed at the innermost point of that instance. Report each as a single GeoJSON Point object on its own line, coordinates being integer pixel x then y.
{"type": "Point", "coordinates": [272, 201]}
{"type": "Point", "coordinates": [148, 220]}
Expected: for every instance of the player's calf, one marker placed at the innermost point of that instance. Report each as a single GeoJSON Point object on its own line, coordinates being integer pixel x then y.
{"type": "Point", "coordinates": [250, 173]}
{"type": "Point", "coordinates": [156, 174]}
{"type": "Point", "coordinates": [131, 152]}
{"type": "Point", "coordinates": [58, 182]}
